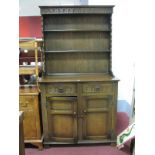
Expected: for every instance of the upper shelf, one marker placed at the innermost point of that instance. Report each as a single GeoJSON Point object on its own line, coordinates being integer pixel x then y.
{"type": "Point", "coordinates": [79, 23]}
{"type": "Point", "coordinates": [76, 30]}
{"type": "Point", "coordinates": [59, 51]}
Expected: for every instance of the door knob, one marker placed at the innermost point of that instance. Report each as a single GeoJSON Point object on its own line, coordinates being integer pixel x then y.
{"type": "Point", "coordinates": [74, 112]}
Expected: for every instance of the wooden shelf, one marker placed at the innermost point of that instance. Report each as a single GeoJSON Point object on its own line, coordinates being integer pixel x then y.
{"type": "Point", "coordinates": [76, 51]}
{"type": "Point", "coordinates": [26, 43]}
{"type": "Point", "coordinates": [78, 78]}
{"type": "Point", "coordinates": [33, 56]}
{"type": "Point", "coordinates": [30, 70]}
{"type": "Point", "coordinates": [77, 30]}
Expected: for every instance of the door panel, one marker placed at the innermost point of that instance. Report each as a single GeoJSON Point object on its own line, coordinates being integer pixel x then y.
{"type": "Point", "coordinates": [95, 124]}
{"type": "Point", "coordinates": [29, 123]}
{"type": "Point", "coordinates": [63, 125]}
{"type": "Point", "coordinates": [62, 119]}
{"type": "Point", "coordinates": [27, 104]}
{"type": "Point", "coordinates": [97, 117]}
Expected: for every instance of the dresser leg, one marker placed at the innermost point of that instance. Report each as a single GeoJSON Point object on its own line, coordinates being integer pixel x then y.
{"type": "Point", "coordinates": [39, 145]}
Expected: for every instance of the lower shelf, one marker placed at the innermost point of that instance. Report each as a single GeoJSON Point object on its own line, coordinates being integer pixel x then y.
{"type": "Point", "coordinates": [83, 142]}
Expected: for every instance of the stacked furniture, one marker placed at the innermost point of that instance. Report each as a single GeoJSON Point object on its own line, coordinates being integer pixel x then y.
{"type": "Point", "coordinates": [78, 88]}
{"type": "Point", "coordinates": [29, 90]}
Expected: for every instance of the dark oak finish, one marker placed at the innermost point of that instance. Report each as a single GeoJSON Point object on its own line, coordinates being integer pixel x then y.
{"type": "Point", "coordinates": [77, 62]}
{"type": "Point", "coordinates": [62, 112]}
{"type": "Point", "coordinates": [78, 89]}
{"type": "Point", "coordinates": [69, 41]}
{"type": "Point", "coordinates": [97, 119]}
{"type": "Point", "coordinates": [58, 23]}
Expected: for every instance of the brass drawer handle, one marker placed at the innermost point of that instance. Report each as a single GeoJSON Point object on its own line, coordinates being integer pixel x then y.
{"type": "Point", "coordinates": [60, 90]}
{"type": "Point", "coordinates": [97, 88]}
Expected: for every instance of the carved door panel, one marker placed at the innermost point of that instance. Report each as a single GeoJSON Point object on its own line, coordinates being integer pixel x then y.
{"type": "Point", "coordinates": [62, 119]}
{"type": "Point", "coordinates": [97, 118]}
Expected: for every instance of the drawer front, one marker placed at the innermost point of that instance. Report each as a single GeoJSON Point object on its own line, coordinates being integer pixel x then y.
{"type": "Point", "coordinates": [61, 89]}
{"type": "Point", "coordinates": [97, 88]}
{"type": "Point", "coordinates": [26, 103]}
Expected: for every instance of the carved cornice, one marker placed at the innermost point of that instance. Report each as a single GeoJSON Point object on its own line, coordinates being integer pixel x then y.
{"type": "Point", "coordinates": [76, 9]}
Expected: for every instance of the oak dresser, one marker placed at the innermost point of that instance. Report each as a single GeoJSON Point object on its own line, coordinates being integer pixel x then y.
{"type": "Point", "coordinates": [78, 88]}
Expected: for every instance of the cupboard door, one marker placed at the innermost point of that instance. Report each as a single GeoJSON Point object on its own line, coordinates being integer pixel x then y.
{"type": "Point", "coordinates": [29, 104]}
{"type": "Point", "coordinates": [62, 119]}
{"type": "Point", "coordinates": [97, 118]}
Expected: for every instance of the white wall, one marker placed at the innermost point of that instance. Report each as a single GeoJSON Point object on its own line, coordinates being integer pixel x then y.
{"type": "Point", "coordinates": [123, 49]}
{"type": "Point", "coordinates": [123, 52]}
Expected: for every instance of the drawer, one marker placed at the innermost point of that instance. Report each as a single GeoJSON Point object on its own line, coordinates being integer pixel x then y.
{"type": "Point", "coordinates": [61, 89]}
{"type": "Point", "coordinates": [26, 102]}
{"type": "Point", "coordinates": [97, 88]}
